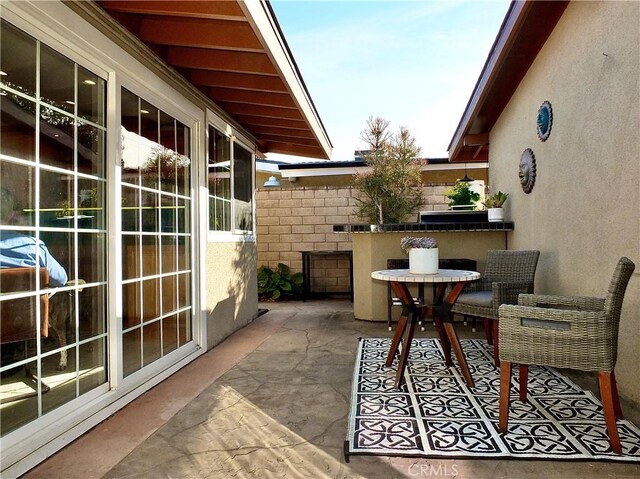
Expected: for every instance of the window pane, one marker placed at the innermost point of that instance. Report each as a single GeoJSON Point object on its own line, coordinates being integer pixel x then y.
{"type": "Point", "coordinates": [18, 200]}
{"type": "Point", "coordinates": [91, 96]}
{"type": "Point", "coordinates": [57, 79]}
{"type": "Point", "coordinates": [219, 179]}
{"type": "Point", "coordinates": [91, 150]}
{"type": "Point", "coordinates": [183, 174]}
{"type": "Point", "coordinates": [17, 59]}
{"type": "Point", "coordinates": [131, 305]}
{"type": "Point", "coordinates": [56, 138]}
{"type": "Point", "coordinates": [243, 188]}
{"type": "Point", "coordinates": [56, 200]}
{"type": "Point", "coordinates": [91, 204]}
{"type": "Point", "coordinates": [18, 132]}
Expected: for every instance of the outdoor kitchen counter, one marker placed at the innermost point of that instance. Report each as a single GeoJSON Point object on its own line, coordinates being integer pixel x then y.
{"type": "Point", "coordinates": [373, 245]}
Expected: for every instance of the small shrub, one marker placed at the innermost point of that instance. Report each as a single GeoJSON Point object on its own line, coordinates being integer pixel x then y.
{"type": "Point", "coordinates": [279, 283]}
{"type": "Point", "coordinates": [460, 194]}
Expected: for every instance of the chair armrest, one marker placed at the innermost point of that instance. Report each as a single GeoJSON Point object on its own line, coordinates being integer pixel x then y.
{"type": "Point", "coordinates": [507, 292]}
{"type": "Point", "coordinates": [584, 340]}
{"type": "Point", "coordinates": [481, 284]}
{"type": "Point", "coordinates": [580, 303]}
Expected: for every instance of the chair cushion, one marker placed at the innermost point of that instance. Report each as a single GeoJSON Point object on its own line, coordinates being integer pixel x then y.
{"type": "Point", "coordinates": [476, 298]}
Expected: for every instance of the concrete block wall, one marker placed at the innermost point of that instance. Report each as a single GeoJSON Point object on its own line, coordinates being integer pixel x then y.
{"type": "Point", "coordinates": [294, 219]}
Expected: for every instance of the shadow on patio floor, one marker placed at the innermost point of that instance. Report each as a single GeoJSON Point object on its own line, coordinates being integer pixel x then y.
{"type": "Point", "coordinates": [270, 401]}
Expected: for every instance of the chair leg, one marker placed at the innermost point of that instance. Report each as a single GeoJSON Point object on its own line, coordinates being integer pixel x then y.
{"type": "Point", "coordinates": [505, 383]}
{"type": "Point", "coordinates": [524, 378]}
{"type": "Point", "coordinates": [616, 399]}
{"type": "Point", "coordinates": [606, 393]}
{"type": "Point", "coordinates": [496, 352]}
{"type": "Point", "coordinates": [488, 330]}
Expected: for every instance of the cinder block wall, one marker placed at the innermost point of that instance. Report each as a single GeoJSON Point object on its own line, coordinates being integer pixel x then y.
{"type": "Point", "coordinates": [295, 219]}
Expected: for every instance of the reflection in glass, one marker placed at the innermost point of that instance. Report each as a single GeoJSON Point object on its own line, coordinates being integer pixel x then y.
{"type": "Point", "coordinates": [130, 209]}
{"type": "Point", "coordinates": [131, 302]}
{"type": "Point", "coordinates": [130, 257]}
{"type": "Point", "coordinates": [243, 188]}
{"type": "Point", "coordinates": [184, 324]}
{"type": "Point", "coordinates": [168, 254]}
{"type": "Point", "coordinates": [92, 257]}
{"type": "Point", "coordinates": [131, 351]}
{"type": "Point", "coordinates": [56, 138]}
{"type": "Point", "coordinates": [91, 96]}
{"type": "Point", "coordinates": [219, 179]}
{"type": "Point", "coordinates": [183, 212]}
{"type": "Point", "coordinates": [93, 311]}
{"type": "Point", "coordinates": [62, 248]}
{"type": "Point", "coordinates": [17, 59]}
{"type": "Point", "coordinates": [91, 150]}
{"type": "Point", "coordinates": [18, 132]}
{"type": "Point", "coordinates": [150, 212]}
{"type": "Point", "coordinates": [151, 335]}
{"type": "Point", "coordinates": [57, 84]}
{"type": "Point", "coordinates": [168, 214]}
{"type": "Point", "coordinates": [150, 256]}
{"type": "Point", "coordinates": [150, 299]}
{"type": "Point", "coordinates": [169, 289]}
{"type": "Point", "coordinates": [56, 200]}
{"type": "Point", "coordinates": [169, 333]}
{"type": "Point", "coordinates": [20, 182]}
{"type": "Point", "coordinates": [91, 204]}
{"type": "Point", "coordinates": [93, 368]}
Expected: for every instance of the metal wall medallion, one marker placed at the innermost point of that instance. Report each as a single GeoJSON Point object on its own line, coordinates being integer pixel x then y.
{"type": "Point", "coordinates": [527, 170]}
{"type": "Point", "coordinates": [544, 121]}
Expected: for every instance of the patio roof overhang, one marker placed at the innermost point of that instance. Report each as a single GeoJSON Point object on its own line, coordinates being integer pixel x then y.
{"type": "Point", "coordinates": [235, 54]}
{"type": "Point", "coordinates": [524, 31]}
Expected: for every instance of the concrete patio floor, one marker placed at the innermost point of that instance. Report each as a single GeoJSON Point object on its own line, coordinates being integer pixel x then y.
{"type": "Point", "coordinates": [271, 401]}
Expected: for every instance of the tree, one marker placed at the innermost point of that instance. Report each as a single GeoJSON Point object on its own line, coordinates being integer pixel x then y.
{"type": "Point", "coordinates": [392, 186]}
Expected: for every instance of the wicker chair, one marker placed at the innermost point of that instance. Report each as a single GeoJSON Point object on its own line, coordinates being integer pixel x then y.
{"type": "Point", "coordinates": [573, 332]}
{"type": "Point", "coordinates": [507, 274]}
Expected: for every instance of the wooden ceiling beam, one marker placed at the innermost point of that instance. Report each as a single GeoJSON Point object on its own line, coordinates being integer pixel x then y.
{"type": "Point", "coordinates": [289, 140]}
{"type": "Point", "coordinates": [478, 139]}
{"type": "Point", "coordinates": [191, 32]}
{"type": "Point", "coordinates": [261, 111]}
{"type": "Point", "coordinates": [253, 121]}
{"type": "Point", "coordinates": [229, 95]}
{"type": "Point", "coordinates": [240, 81]}
{"type": "Point", "coordinates": [221, 60]}
{"type": "Point", "coordinates": [211, 10]}
{"type": "Point", "coordinates": [264, 131]}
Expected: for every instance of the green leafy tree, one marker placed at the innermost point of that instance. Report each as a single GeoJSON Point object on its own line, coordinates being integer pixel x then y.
{"type": "Point", "coordinates": [460, 194]}
{"type": "Point", "coordinates": [392, 187]}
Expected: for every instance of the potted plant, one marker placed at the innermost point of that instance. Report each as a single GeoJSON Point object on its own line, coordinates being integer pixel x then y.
{"type": "Point", "coordinates": [461, 196]}
{"type": "Point", "coordinates": [423, 254]}
{"type": "Point", "coordinates": [494, 203]}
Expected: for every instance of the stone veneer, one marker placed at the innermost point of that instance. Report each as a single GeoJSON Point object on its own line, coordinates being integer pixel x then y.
{"type": "Point", "coordinates": [290, 220]}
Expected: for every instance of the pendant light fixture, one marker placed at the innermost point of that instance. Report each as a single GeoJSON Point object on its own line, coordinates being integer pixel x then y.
{"type": "Point", "coordinates": [465, 178]}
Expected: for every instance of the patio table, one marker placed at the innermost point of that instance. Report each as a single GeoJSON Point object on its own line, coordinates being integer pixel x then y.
{"type": "Point", "coordinates": [439, 311]}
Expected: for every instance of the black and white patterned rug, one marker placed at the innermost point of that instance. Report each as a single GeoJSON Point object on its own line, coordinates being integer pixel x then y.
{"type": "Point", "coordinates": [435, 414]}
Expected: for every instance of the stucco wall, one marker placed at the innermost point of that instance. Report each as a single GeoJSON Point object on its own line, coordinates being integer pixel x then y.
{"type": "Point", "coordinates": [583, 212]}
{"type": "Point", "coordinates": [231, 289]}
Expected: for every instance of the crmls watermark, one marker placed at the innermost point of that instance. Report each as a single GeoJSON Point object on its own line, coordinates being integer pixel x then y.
{"type": "Point", "coordinates": [432, 470]}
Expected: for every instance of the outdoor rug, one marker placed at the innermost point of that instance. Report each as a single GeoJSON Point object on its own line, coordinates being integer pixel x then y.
{"type": "Point", "coordinates": [435, 414]}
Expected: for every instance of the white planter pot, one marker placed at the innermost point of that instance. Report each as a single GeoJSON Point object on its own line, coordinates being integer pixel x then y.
{"type": "Point", "coordinates": [423, 260]}
{"type": "Point", "coordinates": [495, 214]}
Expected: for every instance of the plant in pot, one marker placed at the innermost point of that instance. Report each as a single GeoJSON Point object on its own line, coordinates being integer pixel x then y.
{"type": "Point", "coordinates": [423, 254]}
{"type": "Point", "coordinates": [494, 204]}
{"type": "Point", "coordinates": [461, 196]}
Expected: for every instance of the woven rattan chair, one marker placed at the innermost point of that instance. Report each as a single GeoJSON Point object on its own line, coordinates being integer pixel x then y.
{"type": "Point", "coordinates": [507, 274]}
{"type": "Point", "coordinates": [573, 332]}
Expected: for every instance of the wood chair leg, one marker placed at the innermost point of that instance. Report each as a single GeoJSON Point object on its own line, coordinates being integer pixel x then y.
{"type": "Point", "coordinates": [505, 384]}
{"type": "Point", "coordinates": [496, 352]}
{"type": "Point", "coordinates": [395, 342]}
{"type": "Point", "coordinates": [616, 399]}
{"type": "Point", "coordinates": [488, 330]}
{"type": "Point", "coordinates": [524, 378]}
{"type": "Point", "coordinates": [606, 394]}
{"type": "Point", "coordinates": [404, 354]}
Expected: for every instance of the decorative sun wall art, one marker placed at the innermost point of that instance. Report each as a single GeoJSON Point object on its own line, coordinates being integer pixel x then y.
{"type": "Point", "coordinates": [544, 120]}
{"type": "Point", "coordinates": [527, 170]}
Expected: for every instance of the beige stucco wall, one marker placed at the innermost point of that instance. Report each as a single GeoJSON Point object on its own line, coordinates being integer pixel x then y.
{"type": "Point", "coordinates": [371, 251]}
{"type": "Point", "coordinates": [231, 288]}
{"type": "Point", "coordinates": [583, 213]}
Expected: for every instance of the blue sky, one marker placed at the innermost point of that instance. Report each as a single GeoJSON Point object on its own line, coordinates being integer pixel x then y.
{"type": "Point", "coordinates": [414, 63]}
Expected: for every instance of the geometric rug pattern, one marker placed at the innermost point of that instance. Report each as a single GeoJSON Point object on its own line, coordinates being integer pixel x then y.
{"type": "Point", "coordinates": [435, 414]}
